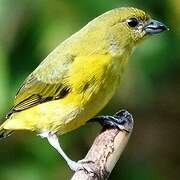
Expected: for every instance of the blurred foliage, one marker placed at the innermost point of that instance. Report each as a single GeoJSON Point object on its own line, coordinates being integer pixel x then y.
{"type": "Point", "coordinates": [30, 29]}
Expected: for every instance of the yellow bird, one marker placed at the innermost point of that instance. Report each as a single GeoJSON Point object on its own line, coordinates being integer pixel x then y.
{"type": "Point", "coordinates": [79, 77]}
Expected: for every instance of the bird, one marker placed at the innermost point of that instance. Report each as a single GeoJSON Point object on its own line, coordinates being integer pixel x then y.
{"type": "Point", "coordinates": [77, 79]}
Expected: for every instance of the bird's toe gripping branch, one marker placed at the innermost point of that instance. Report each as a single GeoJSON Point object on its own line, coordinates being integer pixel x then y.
{"type": "Point", "coordinates": [122, 120]}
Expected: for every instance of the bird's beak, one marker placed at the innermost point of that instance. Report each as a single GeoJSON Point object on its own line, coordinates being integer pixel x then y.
{"type": "Point", "coordinates": [154, 27]}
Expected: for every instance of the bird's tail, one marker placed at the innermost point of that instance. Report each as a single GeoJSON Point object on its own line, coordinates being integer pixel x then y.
{"type": "Point", "coordinates": [4, 132]}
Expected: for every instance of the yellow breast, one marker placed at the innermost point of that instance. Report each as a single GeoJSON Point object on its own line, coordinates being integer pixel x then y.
{"type": "Point", "coordinates": [93, 81]}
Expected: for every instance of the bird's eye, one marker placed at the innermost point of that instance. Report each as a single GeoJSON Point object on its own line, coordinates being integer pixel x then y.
{"type": "Point", "coordinates": [132, 22]}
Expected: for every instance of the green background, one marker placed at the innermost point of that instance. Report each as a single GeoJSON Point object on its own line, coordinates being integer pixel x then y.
{"type": "Point", "coordinates": [31, 29]}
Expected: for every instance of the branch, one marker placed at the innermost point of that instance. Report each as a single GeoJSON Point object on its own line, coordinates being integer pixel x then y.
{"type": "Point", "coordinates": [105, 152]}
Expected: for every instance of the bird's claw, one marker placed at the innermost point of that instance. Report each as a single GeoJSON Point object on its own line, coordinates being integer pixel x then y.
{"type": "Point", "coordinates": [122, 120]}
{"type": "Point", "coordinates": [85, 161]}
{"type": "Point", "coordinates": [81, 165]}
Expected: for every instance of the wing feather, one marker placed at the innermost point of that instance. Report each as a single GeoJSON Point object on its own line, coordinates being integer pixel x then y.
{"type": "Point", "coordinates": [48, 82]}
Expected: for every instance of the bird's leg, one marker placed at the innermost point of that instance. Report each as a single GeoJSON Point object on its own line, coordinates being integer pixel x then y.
{"type": "Point", "coordinates": [122, 120]}
{"type": "Point", "coordinates": [53, 140]}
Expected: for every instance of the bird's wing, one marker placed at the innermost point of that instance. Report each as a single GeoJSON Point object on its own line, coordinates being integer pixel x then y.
{"type": "Point", "coordinates": [48, 82]}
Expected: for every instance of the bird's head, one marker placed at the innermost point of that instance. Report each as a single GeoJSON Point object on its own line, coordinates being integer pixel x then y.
{"type": "Point", "coordinates": [115, 31]}
{"type": "Point", "coordinates": [128, 26]}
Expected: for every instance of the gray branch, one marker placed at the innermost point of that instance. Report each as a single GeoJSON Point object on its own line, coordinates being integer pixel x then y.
{"type": "Point", "coordinates": [104, 153]}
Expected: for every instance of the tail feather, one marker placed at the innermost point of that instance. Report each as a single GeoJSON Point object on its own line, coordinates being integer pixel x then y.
{"type": "Point", "coordinates": [5, 133]}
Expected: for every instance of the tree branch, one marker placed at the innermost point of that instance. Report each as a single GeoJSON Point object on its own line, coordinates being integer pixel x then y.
{"type": "Point", "coordinates": [105, 152]}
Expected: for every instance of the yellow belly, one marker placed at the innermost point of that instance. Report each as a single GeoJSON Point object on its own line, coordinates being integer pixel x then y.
{"type": "Point", "coordinates": [62, 115]}
{"type": "Point", "coordinates": [91, 91]}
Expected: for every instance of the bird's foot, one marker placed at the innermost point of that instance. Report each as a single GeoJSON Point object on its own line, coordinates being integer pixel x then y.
{"type": "Point", "coordinates": [122, 120]}
{"type": "Point", "coordinates": [81, 165]}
